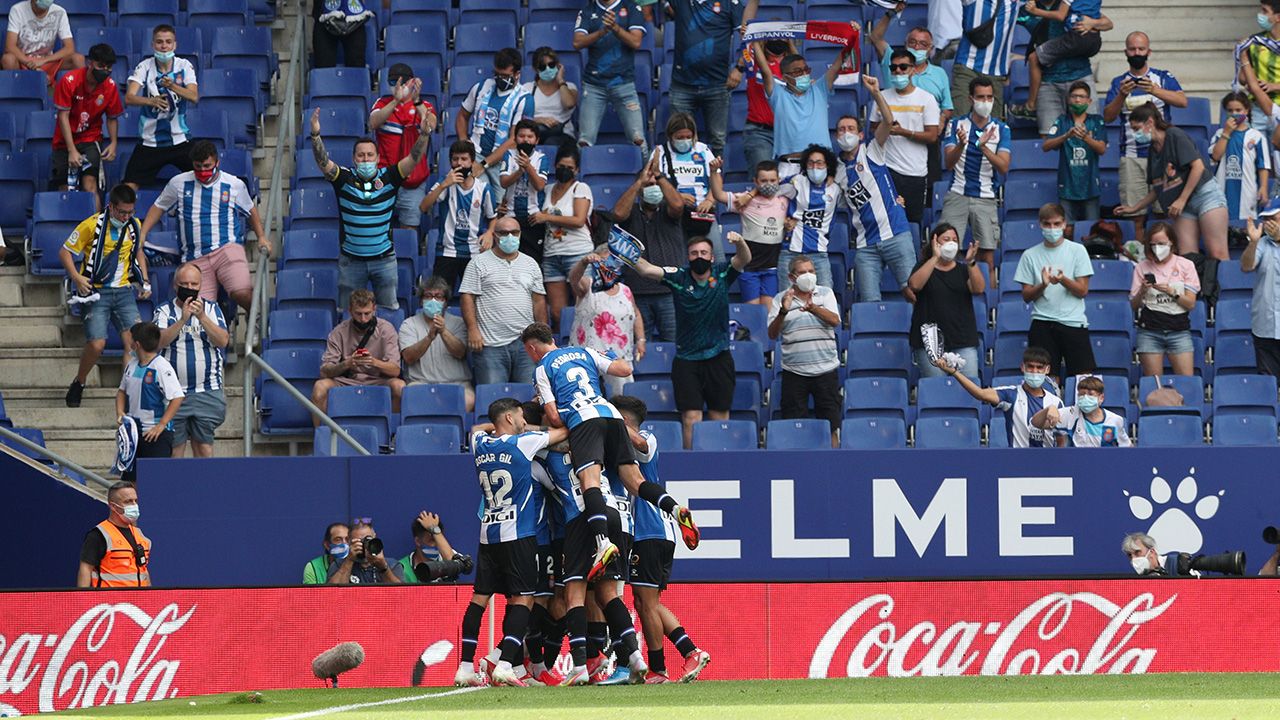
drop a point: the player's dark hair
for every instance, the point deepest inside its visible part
(122, 195)
(1052, 211)
(501, 407)
(507, 58)
(980, 81)
(1148, 111)
(1080, 85)
(539, 333)
(1238, 96)
(462, 147)
(525, 124)
(164, 27)
(103, 54)
(328, 532)
(766, 166)
(366, 140)
(533, 412)
(903, 53)
(202, 150)
(146, 334)
(630, 405)
(1037, 355)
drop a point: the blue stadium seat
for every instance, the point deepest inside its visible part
(873, 433)
(428, 440)
(747, 401)
(1113, 356)
(422, 13)
(1234, 283)
(948, 432)
(880, 319)
(295, 329)
(54, 216)
(34, 435)
(1111, 280)
(491, 11)
(10, 140)
(322, 441)
(419, 46)
(1013, 317)
(309, 249)
(1170, 431)
(1245, 394)
(1197, 113)
(555, 34)
(312, 209)
(62, 206)
(613, 162)
(17, 188)
(669, 434)
(997, 431)
(120, 40)
(725, 435)
(244, 47)
(214, 15)
(753, 317)
(1008, 354)
(1233, 315)
(1243, 430)
(1191, 388)
(1234, 355)
(877, 397)
(212, 125)
(338, 89)
(803, 434)
(4, 419)
(307, 290)
(880, 356)
(233, 91)
(487, 393)
(1023, 200)
(945, 396)
(1110, 317)
(342, 121)
(656, 363)
(279, 412)
(363, 405)
(145, 14)
(86, 13)
(475, 43)
(553, 10)
(748, 361)
(1029, 162)
(434, 405)
(22, 92)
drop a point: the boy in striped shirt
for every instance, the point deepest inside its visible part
(524, 178)
(1243, 158)
(466, 212)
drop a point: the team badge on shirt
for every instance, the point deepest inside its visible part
(226, 196)
(377, 184)
(99, 101)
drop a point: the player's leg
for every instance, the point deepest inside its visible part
(597, 638)
(695, 659)
(647, 602)
(575, 618)
(471, 618)
(619, 452)
(587, 447)
(520, 566)
(622, 629)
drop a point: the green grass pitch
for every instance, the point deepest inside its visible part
(1159, 697)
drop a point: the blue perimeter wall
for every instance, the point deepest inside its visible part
(47, 522)
(829, 514)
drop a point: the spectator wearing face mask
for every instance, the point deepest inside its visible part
(1163, 293)
(35, 26)
(465, 206)
(815, 196)
(1019, 403)
(524, 176)
(758, 135)
(193, 338)
(913, 128)
(978, 149)
(490, 112)
(652, 210)
(1055, 277)
(502, 294)
(567, 239)
(804, 318)
(164, 87)
(361, 350)
(554, 99)
(335, 545)
(607, 319)
(433, 343)
(1243, 159)
(764, 218)
(944, 288)
(1262, 256)
(83, 99)
(115, 553)
(366, 208)
(397, 122)
(1080, 137)
(1087, 423)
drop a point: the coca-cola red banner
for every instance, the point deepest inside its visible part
(61, 650)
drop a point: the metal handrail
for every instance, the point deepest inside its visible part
(286, 130)
(55, 457)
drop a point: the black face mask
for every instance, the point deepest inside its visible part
(363, 327)
(504, 82)
(1137, 62)
(100, 74)
(526, 148)
(700, 266)
(564, 174)
(777, 47)
(186, 295)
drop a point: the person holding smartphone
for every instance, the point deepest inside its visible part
(1163, 293)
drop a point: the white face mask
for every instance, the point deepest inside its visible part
(983, 108)
(948, 250)
(849, 141)
(1161, 251)
(806, 282)
(1141, 565)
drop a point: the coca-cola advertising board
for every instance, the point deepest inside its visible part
(61, 650)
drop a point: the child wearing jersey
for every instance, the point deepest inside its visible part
(150, 394)
(1019, 403)
(1086, 423)
(464, 214)
(814, 196)
(764, 216)
(1243, 158)
(695, 171)
(524, 178)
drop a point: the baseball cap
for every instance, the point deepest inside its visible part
(1272, 208)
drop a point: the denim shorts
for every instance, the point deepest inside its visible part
(758, 283)
(116, 306)
(555, 268)
(407, 202)
(1173, 342)
(1208, 197)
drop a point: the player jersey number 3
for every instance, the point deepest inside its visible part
(585, 396)
(497, 486)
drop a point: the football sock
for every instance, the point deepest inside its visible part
(514, 623)
(471, 631)
(621, 627)
(681, 640)
(597, 636)
(552, 640)
(593, 499)
(576, 622)
(657, 661)
(533, 636)
(654, 493)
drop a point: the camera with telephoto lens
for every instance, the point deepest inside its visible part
(433, 570)
(1228, 563)
(372, 546)
(1270, 535)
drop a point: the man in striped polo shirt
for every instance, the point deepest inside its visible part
(193, 338)
(984, 50)
(366, 206)
(211, 207)
(806, 317)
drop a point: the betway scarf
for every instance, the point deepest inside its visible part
(1242, 48)
(827, 31)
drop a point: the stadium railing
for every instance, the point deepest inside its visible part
(286, 130)
(62, 464)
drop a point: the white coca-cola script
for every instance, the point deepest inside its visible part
(882, 647)
(63, 685)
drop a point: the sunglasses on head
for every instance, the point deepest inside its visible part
(903, 67)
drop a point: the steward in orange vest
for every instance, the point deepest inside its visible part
(115, 552)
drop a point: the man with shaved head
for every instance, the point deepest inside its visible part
(194, 338)
(501, 294)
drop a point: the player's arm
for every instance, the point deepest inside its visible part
(557, 435)
(552, 415)
(638, 441)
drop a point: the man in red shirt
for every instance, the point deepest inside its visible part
(82, 97)
(757, 138)
(395, 121)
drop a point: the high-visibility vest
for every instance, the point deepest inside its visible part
(120, 567)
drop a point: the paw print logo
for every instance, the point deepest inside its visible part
(1174, 529)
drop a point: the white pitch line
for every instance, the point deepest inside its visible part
(360, 706)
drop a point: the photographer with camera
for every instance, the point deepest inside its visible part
(1141, 551)
(365, 564)
(1271, 536)
(1140, 548)
(429, 553)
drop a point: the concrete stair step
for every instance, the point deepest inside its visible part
(51, 368)
(96, 449)
(30, 336)
(46, 410)
(40, 316)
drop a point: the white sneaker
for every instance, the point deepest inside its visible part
(638, 667)
(504, 674)
(466, 677)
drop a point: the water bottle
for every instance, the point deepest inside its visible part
(733, 330)
(73, 177)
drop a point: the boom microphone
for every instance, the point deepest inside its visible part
(336, 660)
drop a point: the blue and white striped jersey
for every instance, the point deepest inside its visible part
(813, 208)
(522, 199)
(1018, 407)
(568, 490)
(149, 389)
(691, 171)
(571, 377)
(621, 500)
(1129, 146)
(464, 215)
(994, 58)
(1248, 153)
(168, 127)
(504, 468)
(197, 361)
(875, 215)
(974, 176)
(209, 216)
(650, 522)
(544, 494)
